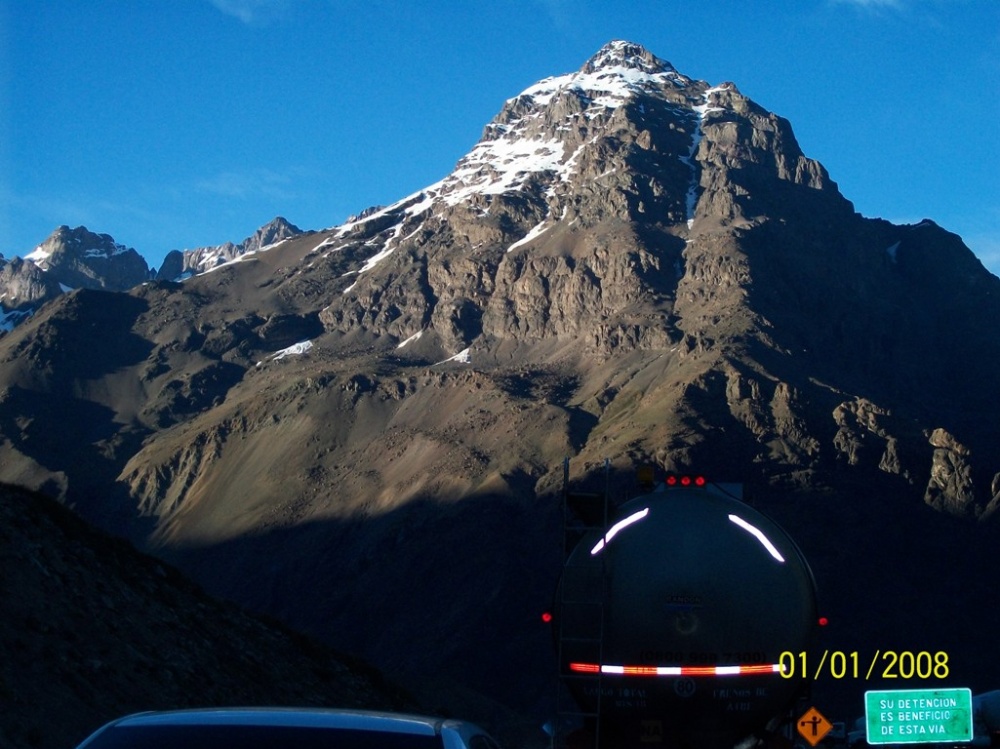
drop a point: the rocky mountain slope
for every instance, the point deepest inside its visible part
(68, 259)
(92, 630)
(366, 424)
(79, 258)
(179, 264)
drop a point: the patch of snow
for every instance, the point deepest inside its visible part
(117, 248)
(413, 233)
(271, 246)
(463, 357)
(611, 83)
(38, 256)
(225, 264)
(387, 249)
(296, 349)
(893, 250)
(415, 337)
(325, 243)
(221, 262)
(703, 109)
(535, 232)
(64, 288)
(493, 167)
(10, 320)
(691, 198)
(392, 243)
(420, 201)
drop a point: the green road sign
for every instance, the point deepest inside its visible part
(918, 716)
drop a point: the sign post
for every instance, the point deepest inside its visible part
(917, 716)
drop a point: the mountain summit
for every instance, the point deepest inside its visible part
(367, 423)
(626, 144)
(179, 264)
(79, 258)
(83, 259)
(573, 129)
(618, 54)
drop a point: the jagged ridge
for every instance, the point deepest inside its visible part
(180, 264)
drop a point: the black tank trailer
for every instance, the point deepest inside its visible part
(672, 619)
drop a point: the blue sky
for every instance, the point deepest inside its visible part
(182, 123)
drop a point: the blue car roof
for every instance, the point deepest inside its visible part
(313, 717)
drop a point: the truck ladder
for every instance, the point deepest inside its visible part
(584, 591)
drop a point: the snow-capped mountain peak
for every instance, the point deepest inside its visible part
(78, 242)
(557, 133)
(625, 136)
(616, 73)
(620, 53)
(553, 139)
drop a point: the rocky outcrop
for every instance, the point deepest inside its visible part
(79, 258)
(952, 487)
(180, 263)
(23, 285)
(871, 436)
(751, 165)
(68, 259)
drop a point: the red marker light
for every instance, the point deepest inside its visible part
(823, 621)
(674, 479)
(547, 617)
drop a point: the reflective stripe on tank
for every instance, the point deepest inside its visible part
(613, 530)
(593, 668)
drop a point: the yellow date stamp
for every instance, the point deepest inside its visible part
(884, 664)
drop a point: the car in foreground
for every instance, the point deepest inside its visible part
(275, 728)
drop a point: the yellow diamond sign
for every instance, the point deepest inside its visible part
(813, 726)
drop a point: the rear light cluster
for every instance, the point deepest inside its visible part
(745, 670)
(684, 480)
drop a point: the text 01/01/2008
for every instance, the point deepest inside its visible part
(885, 664)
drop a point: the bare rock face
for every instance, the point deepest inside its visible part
(172, 266)
(68, 259)
(25, 285)
(79, 258)
(870, 435)
(952, 487)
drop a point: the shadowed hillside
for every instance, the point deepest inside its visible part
(91, 630)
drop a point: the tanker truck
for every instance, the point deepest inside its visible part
(671, 617)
